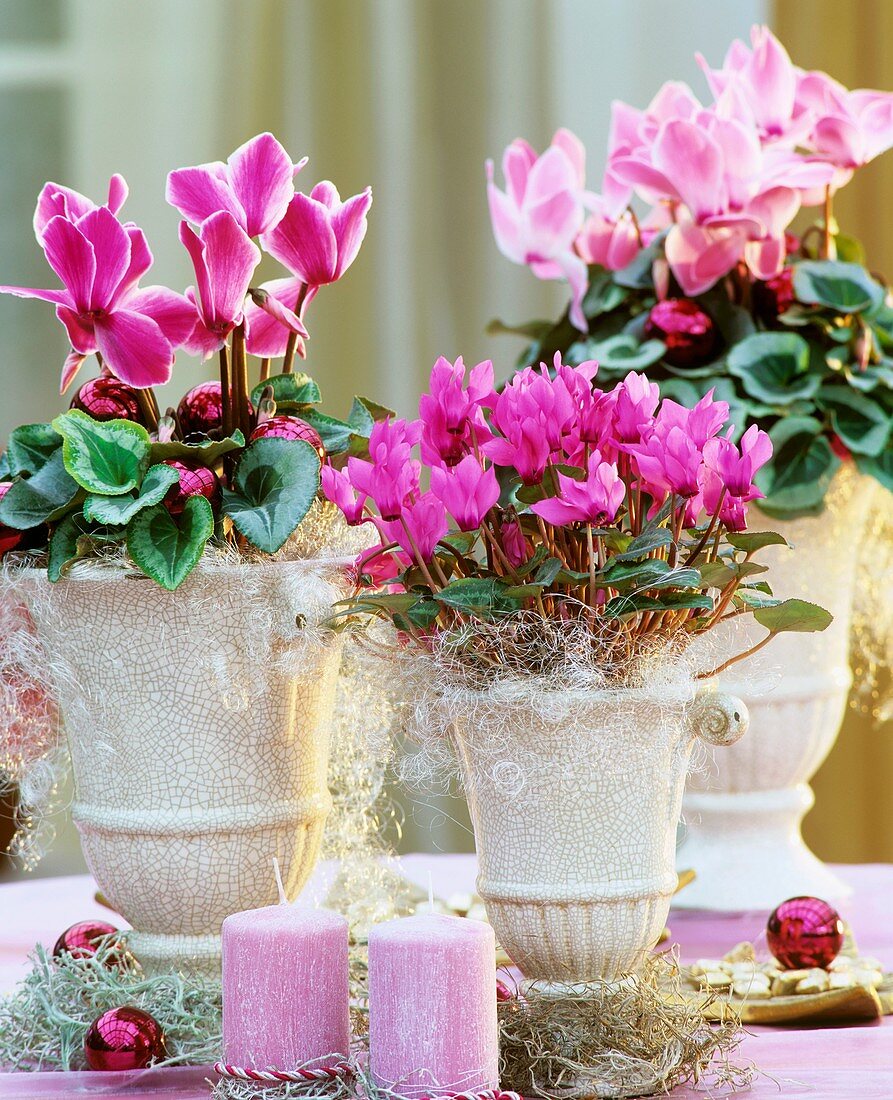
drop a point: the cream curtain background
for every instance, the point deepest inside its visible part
(410, 96)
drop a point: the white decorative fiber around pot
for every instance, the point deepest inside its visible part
(198, 724)
(575, 798)
(743, 811)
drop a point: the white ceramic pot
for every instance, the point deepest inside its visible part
(198, 724)
(743, 810)
(574, 799)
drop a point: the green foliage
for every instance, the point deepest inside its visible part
(274, 485)
(107, 457)
(167, 549)
(30, 447)
(291, 392)
(843, 287)
(797, 616)
(207, 453)
(121, 509)
(43, 498)
(798, 475)
(774, 367)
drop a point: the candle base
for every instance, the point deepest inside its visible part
(161, 954)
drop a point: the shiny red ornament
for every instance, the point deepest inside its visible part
(200, 412)
(9, 536)
(804, 932)
(503, 993)
(83, 938)
(105, 398)
(195, 480)
(124, 1038)
(688, 332)
(291, 427)
(772, 297)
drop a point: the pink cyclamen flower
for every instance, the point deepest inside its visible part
(452, 413)
(337, 488)
(537, 218)
(632, 403)
(382, 568)
(668, 461)
(55, 200)
(255, 186)
(610, 242)
(737, 468)
(421, 526)
(514, 544)
(596, 500)
(391, 477)
(224, 258)
(100, 263)
(467, 491)
(702, 422)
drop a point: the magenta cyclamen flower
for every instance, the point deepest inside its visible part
(633, 403)
(421, 526)
(466, 490)
(391, 478)
(452, 414)
(337, 488)
(737, 468)
(224, 258)
(55, 200)
(537, 218)
(595, 500)
(100, 263)
(255, 186)
(669, 461)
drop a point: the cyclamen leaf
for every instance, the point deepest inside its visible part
(208, 452)
(108, 457)
(120, 510)
(793, 615)
(289, 390)
(797, 476)
(275, 483)
(844, 287)
(167, 550)
(643, 544)
(43, 498)
(30, 448)
(336, 435)
(861, 423)
(63, 546)
(774, 367)
(750, 541)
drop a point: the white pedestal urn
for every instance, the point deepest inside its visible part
(743, 810)
(574, 798)
(198, 724)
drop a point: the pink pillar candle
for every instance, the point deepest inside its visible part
(285, 987)
(432, 1005)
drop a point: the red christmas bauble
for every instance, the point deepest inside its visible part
(804, 932)
(195, 480)
(9, 536)
(82, 939)
(291, 427)
(503, 993)
(200, 412)
(688, 332)
(773, 296)
(124, 1038)
(105, 398)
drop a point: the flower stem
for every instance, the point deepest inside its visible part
(225, 392)
(241, 411)
(289, 358)
(148, 408)
(828, 249)
(591, 549)
(264, 369)
(734, 660)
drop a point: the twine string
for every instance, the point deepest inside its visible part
(336, 1071)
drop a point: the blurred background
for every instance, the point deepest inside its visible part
(410, 96)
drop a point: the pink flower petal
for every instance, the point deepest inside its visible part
(517, 160)
(688, 156)
(230, 256)
(53, 200)
(266, 337)
(261, 175)
(73, 363)
(174, 314)
(195, 247)
(71, 256)
(349, 225)
(304, 241)
(140, 261)
(80, 335)
(202, 191)
(134, 349)
(118, 192)
(57, 297)
(111, 247)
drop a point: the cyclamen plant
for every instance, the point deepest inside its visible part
(234, 463)
(607, 507)
(706, 287)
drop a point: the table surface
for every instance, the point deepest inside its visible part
(842, 1063)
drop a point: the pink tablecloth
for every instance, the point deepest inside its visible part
(846, 1063)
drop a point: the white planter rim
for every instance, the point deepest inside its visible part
(87, 570)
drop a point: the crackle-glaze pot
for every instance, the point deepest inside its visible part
(575, 798)
(743, 810)
(198, 724)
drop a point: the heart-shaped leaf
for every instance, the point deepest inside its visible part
(774, 367)
(108, 457)
(208, 452)
(168, 549)
(847, 288)
(30, 448)
(797, 476)
(880, 468)
(751, 541)
(275, 483)
(289, 390)
(364, 414)
(861, 422)
(336, 435)
(623, 352)
(793, 615)
(120, 510)
(43, 498)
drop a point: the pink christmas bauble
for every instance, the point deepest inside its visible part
(804, 932)
(9, 536)
(200, 412)
(82, 939)
(124, 1038)
(688, 332)
(290, 427)
(105, 398)
(772, 297)
(195, 480)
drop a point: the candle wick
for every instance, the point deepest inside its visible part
(431, 891)
(283, 900)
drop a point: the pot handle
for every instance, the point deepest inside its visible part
(717, 718)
